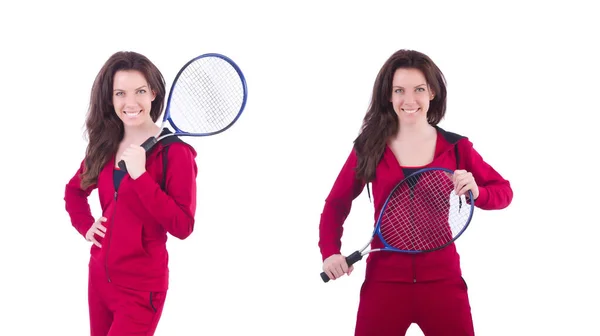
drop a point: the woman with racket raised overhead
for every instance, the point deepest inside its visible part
(414, 274)
(128, 268)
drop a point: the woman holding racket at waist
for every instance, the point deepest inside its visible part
(400, 135)
(128, 268)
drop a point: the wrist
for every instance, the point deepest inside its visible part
(136, 176)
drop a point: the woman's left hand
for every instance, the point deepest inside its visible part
(135, 159)
(463, 181)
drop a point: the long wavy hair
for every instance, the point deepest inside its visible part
(104, 129)
(381, 122)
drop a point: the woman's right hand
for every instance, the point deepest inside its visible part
(98, 229)
(335, 266)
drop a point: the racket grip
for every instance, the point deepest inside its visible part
(146, 145)
(350, 260)
(149, 143)
(122, 166)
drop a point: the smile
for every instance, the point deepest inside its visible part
(132, 113)
(411, 111)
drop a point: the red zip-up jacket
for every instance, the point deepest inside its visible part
(495, 192)
(139, 216)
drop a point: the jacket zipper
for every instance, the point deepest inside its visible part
(112, 220)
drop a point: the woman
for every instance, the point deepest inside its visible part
(400, 135)
(128, 268)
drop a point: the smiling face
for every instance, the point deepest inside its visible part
(132, 98)
(410, 96)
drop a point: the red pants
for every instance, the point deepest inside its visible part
(438, 308)
(120, 311)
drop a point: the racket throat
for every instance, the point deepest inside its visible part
(353, 258)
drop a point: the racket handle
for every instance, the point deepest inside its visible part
(147, 145)
(350, 260)
(122, 166)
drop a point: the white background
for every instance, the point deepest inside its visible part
(522, 84)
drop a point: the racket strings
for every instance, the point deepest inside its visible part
(424, 213)
(207, 96)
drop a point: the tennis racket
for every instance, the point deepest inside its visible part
(207, 97)
(421, 214)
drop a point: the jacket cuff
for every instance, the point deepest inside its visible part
(327, 252)
(144, 185)
(84, 228)
(483, 197)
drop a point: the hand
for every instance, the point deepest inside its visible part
(335, 266)
(98, 229)
(463, 181)
(135, 159)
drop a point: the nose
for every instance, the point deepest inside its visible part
(131, 100)
(409, 98)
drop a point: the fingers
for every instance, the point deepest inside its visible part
(463, 181)
(336, 266)
(463, 190)
(135, 159)
(131, 151)
(100, 226)
(99, 232)
(96, 229)
(337, 270)
(333, 272)
(461, 187)
(93, 240)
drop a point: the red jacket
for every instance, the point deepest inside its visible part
(494, 193)
(139, 216)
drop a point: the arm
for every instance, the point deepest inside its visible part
(495, 192)
(337, 208)
(176, 209)
(76, 203)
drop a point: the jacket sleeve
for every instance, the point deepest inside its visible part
(337, 207)
(495, 192)
(176, 208)
(76, 203)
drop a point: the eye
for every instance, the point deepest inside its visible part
(398, 91)
(119, 94)
(420, 90)
(142, 91)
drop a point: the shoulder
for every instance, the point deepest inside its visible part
(176, 147)
(452, 137)
(352, 157)
(179, 151)
(461, 141)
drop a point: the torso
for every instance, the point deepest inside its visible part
(414, 152)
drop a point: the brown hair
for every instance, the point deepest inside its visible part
(381, 122)
(103, 127)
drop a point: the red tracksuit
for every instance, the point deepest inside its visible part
(129, 275)
(400, 289)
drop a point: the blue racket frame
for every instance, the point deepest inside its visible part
(378, 225)
(167, 116)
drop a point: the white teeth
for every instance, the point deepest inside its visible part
(132, 113)
(410, 111)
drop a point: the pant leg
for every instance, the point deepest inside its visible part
(100, 315)
(385, 309)
(136, 312)
(443, 308)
